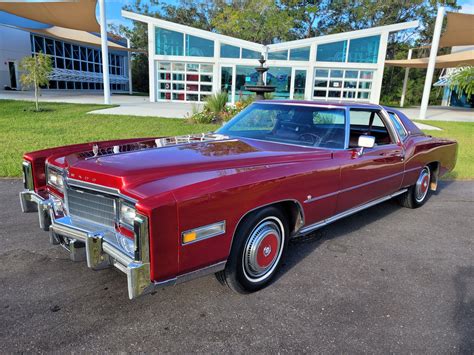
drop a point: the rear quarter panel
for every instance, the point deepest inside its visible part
(422, 150)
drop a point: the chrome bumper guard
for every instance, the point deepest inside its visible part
(91, 246)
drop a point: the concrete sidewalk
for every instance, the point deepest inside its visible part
(128, 104)
(141, 106)
(441, 113)
(158, 109)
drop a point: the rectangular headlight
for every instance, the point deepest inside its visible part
(127, 213)
(55, 178)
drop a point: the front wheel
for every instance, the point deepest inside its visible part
(417, 194)
(257, 250)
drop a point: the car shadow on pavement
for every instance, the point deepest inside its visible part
(301, 247)
(464, 312)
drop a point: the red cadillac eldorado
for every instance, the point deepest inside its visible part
(168, 209)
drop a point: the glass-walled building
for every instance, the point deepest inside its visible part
(79, 67)
(188, 64)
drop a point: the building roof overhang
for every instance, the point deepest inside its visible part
(344, 35)
(272, 47)
(70, 35)
(191, 30)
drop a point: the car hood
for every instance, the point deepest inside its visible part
(170, 157)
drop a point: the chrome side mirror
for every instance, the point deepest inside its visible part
(365, 142)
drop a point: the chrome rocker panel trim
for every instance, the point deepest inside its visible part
(91, 246)
(312, 227)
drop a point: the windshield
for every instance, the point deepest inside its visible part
(295, 124)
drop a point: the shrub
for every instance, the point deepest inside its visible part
(216, 109)
(216, 103)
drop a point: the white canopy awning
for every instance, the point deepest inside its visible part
(452, 60)
(78, 15)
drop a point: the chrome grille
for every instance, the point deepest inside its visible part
(91, 206)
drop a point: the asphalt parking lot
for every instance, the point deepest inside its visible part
(388, 279)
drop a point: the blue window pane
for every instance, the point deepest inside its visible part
(228, 51)
(321, 73)
(168, 42)
(199, 47)
(250, 54)
(364, 50)
(299, 53)
(336, 73)
(244, 75)
(280, 55)
(332, 52)
(280, 77)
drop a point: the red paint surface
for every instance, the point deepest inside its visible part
(186, 186)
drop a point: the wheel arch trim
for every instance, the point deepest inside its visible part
(296, 202)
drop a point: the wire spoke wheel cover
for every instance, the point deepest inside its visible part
(263, 249)
(422, 185)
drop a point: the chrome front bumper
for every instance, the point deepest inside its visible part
(90, 245)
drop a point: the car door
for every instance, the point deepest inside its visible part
(370, 173)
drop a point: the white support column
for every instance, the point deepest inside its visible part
(432, 62)
(377, 81)
(216, 73)
(130, 90)
(151, 62)
(105, 52)
(405, 80)
(309, 86)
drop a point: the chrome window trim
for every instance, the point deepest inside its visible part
(342, 108)
(383, 115)
(388, 122)
(401, 125)
(328, 106)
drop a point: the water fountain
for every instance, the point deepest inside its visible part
(260, 88)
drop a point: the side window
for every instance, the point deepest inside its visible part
(398, 125)
(328, 117)
(366, 122)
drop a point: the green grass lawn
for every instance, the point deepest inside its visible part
(23, 130)
(463, 132)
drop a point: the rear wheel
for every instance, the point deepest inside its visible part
(256, 254)
(417, 194)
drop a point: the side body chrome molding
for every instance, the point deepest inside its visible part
(314, 226)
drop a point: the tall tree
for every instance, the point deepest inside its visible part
(261, 21)
(304, 13)
(341, 16)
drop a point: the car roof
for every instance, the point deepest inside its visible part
(322, 103)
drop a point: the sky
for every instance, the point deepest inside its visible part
(113, 8)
